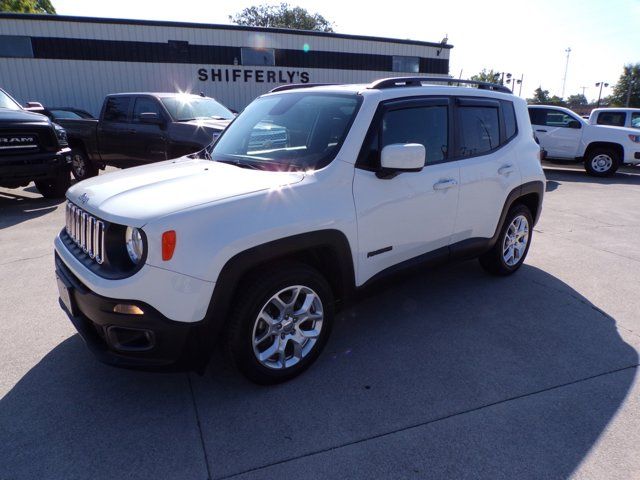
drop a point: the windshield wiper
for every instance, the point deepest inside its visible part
(251, 166)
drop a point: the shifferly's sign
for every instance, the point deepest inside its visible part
(251, 75)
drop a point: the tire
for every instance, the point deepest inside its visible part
(282, 333)
(81, 167)
(54, 187)
(502, 260)
(601, 162)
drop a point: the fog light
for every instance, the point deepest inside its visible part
(128, 309)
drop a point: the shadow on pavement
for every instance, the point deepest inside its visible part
(16, 208)
(580, 176)
(403, 365)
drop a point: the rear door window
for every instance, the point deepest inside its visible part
(479, 130)
(615, 119)
(635, 120)
(117, 109)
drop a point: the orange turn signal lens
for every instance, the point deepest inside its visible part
(168, 244)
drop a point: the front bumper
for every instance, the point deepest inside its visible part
(21, 169)
(149, 341)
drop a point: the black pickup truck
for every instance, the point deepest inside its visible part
(138, 128)
(32, 148)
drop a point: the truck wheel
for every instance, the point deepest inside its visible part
(509, 252)
(54, 187)
(601, 162)
(81, 167)
(280, 322)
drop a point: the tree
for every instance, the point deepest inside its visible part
(27, 6)
(578, 100)
(487, 76)
(628, 87)
(539, 96)
(282, 16)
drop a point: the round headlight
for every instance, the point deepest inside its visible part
(135, 245)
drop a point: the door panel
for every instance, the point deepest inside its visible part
(412, 213)
(552, 130)
(148, 142)
(115, 131)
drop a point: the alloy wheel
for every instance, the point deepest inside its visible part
(287, 327)
(515, 241)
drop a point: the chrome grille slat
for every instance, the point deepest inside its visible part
(86, 231)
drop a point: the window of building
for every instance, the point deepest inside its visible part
(117, 109)
(15, 46)
(615, 119)
(145, 105)
(479, 130)
(406, 64)
(258, 56)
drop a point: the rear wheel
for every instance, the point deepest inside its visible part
(54, 187)
(602, 162)
(280, 323)
(509, 252)
(81, 167)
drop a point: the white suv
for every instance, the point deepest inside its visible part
(564, 136)
(251, 250)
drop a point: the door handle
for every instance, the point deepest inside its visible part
(541, 130)
(445, 184)
(505, 170)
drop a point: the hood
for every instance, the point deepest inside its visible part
(137, 195)
(218, 125)
(21, 116)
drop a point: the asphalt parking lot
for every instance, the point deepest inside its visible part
(448, 373)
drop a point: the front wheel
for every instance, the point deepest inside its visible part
(81, 167)
(280, 323)
(601, 162)
(509, 252)
(54, 187)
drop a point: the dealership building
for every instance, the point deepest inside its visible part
(76, 61)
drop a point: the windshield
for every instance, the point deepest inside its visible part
(7, 102)
(185, 108)
(292, 131)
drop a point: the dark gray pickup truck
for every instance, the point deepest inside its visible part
(32, 148)
(138, 128)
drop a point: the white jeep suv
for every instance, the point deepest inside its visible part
(252, 250)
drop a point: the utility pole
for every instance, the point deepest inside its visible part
(632, 81)
(601, 84)
(583, 89)
(566, 68)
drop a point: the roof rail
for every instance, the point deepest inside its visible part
(294, 86)
(418, 81)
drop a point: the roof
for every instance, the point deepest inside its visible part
(214, 26)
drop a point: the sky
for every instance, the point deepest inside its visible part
(519, 37)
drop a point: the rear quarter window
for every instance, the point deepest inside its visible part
(509, 115)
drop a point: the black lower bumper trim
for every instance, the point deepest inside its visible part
(23, 169)
(150, 341)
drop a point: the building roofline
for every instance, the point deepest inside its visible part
(213, 26)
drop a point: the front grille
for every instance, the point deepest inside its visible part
(86, 231)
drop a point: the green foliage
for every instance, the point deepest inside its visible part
(282, 16)
(540, 96)
(27, 6)
(630, 78)
(485, 75)
(578, 100)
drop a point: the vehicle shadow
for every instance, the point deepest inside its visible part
(16, 208)
(415, 365)
(579, 176)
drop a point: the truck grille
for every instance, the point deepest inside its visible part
(86, 231)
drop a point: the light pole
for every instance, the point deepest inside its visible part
(515, 81)
(632, 81)
(601, 84)
(566, 68)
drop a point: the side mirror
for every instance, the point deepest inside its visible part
(151, 118)
(403, 157)
(574, 124)
(37, 105)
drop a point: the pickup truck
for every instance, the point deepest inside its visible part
(616, 117)
(139, 128)
(565, 136)
(32, 148)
